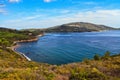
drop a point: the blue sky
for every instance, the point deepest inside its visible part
(22, 14)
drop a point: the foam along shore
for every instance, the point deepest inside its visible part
(24, 56)
(13, 48)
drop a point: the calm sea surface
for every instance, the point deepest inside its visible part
(62, 48)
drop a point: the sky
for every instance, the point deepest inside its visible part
(24, 14)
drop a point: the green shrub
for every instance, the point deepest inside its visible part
(50, 76)
(97, 76)
(79, 76)
(3, 75)
(106, 55)
(1, 50)
(96, 57)
(87, 61)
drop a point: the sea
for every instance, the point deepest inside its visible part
(70, 47)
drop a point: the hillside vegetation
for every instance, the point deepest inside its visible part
(8, 36)
(14, 66)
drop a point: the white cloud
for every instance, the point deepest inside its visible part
(109, 12)
(64, 11)
(105, 17)
(14, 1)
(47, 1)
(33, 17)
(2, 11)
(25, 18)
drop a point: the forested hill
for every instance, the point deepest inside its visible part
(11, 35)
(78, 27)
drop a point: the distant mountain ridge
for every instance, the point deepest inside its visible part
(78, 27)
(69, 27)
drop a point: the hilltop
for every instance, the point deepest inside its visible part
(78, 27)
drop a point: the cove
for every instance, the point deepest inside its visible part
(63, 48)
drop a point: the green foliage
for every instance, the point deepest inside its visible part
(50, 76)
(106, 55)
(88, 76)
(81, 75)
(96, 57)
(3, 75)
(87, 61)
(4, 43)
(1, 50)
(94, 74)
(11, 36)
(97, 76)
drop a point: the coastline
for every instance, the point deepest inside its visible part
(30, 40)
(13, 48)
(16, 45)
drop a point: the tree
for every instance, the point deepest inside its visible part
(96, 57)
(4, 43)
(106, 55)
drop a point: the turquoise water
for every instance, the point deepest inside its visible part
(63, 48)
